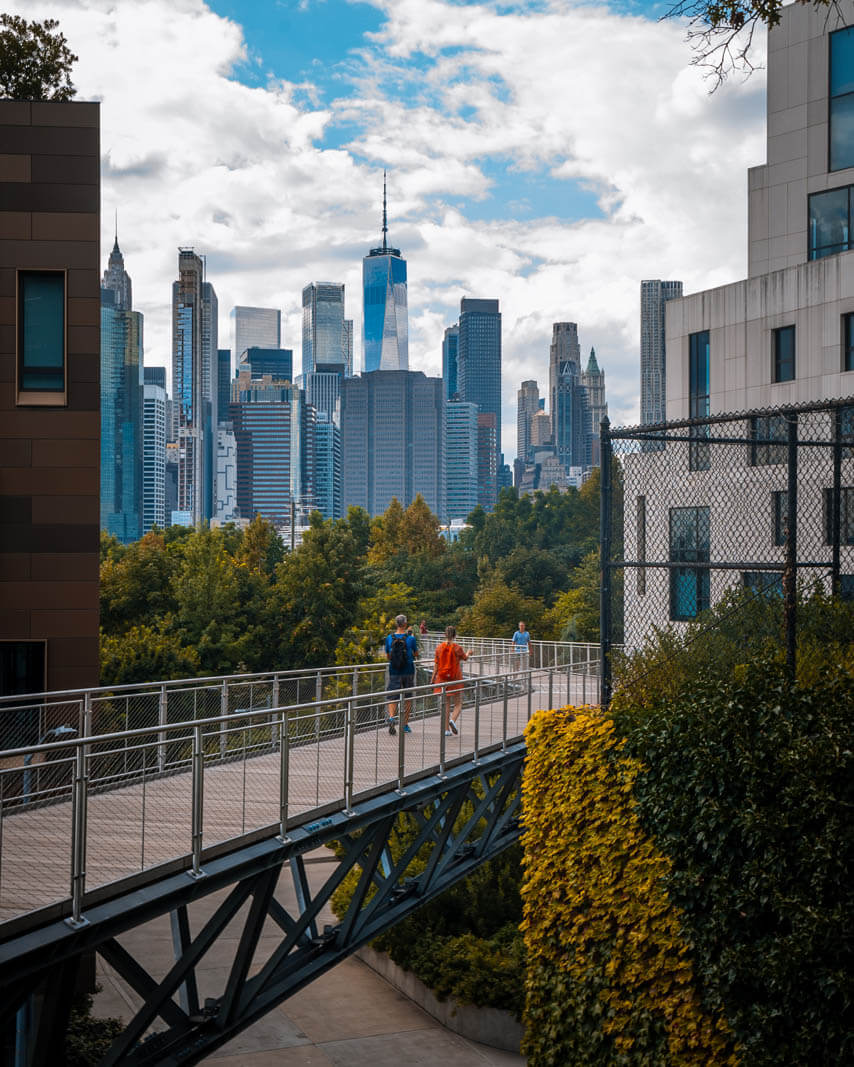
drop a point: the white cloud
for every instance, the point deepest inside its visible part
(193, 157)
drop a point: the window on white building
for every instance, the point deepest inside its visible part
(784, 354)
(841, 117)
(779, 511)
(689, 544)
(765, 431)
(846, 516)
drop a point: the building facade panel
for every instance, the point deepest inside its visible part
(49, 528)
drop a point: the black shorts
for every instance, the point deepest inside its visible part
(401, 682)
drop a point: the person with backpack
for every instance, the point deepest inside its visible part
(401, 649)
(447, 667)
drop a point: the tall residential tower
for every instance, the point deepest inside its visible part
(194, 388)
(654, 296)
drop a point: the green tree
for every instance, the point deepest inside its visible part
(35, 60)
(207, 615)
(315, 594)
(261, 549)
(136, 584)
(388, 534)
(534, 572)
(145, 653)
(362, 642)
(421, 530)
(575, 615)
(359, 522)
(497, 609)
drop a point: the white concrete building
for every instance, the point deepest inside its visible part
(782, 336)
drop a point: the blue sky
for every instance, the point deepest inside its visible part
(549, 154)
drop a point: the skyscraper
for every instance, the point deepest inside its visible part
(654, 297)
(487, 460)
(450, 346)
(527, 405)
(255, 327)
(461, 476)
(392, 440)
(479, 375)
(121, 405)
(322, 389)
(223, 383)
(267, 418)
(323, 331)
(593, 380)
(277, 362)
(194, 388)
(154, 448)
(326, 467)
(348, 347)
(385, 315)
(570, 415)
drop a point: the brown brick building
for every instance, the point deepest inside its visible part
(49, 394)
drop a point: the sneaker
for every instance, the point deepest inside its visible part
(454, 728)
(407, 729)
(448, 733)
(391, 728)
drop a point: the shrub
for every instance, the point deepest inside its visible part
(610, 979)
(748, 788)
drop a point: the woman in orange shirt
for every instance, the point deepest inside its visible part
(447, 668)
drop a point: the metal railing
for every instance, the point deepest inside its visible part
(83, 813)
(499, 653)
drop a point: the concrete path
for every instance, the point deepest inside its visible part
(348, 1017)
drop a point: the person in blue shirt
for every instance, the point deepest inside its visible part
(521, 639)
(401, 648)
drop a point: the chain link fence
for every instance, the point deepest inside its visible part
(702, 518)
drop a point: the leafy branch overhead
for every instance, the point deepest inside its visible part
(35, 60)
(721, 32)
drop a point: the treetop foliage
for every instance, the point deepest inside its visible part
(35, 60)
(219, 601)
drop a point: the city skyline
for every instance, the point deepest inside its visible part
(499, 188)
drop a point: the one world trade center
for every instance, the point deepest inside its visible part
(386, 326)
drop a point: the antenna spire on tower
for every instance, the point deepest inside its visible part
(385, 215)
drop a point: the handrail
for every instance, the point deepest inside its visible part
(172, 788)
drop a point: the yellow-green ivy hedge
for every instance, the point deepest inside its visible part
(610, 978)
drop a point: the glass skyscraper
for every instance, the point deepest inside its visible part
(654, 297)
(255, 327)
(385, 314)
(450, 345)
(571, 427)
(461, 449)
(154, 448)
(479, 382)
(323, 331)
(121, 405)
(194, 388)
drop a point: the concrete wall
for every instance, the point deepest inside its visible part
(741, 317)
(797, 146)
(49, 456)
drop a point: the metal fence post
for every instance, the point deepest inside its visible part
(836, 500)
(79, 828)
(284, 769)
(605, 562)
(274, 703)
(790, 577)
(444, 716)
(476, 719)
(504, 714)
(223, 710)
(551, 687)
(161, 736)
(530, 692)
(198, 801)
(349, 754)
(401, 753)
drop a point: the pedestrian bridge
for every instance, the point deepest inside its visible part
(120, 805)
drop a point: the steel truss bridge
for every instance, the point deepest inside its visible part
(206, 801)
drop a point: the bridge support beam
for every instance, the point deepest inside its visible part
(461, 819)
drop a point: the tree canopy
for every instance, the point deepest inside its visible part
(35, 60)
